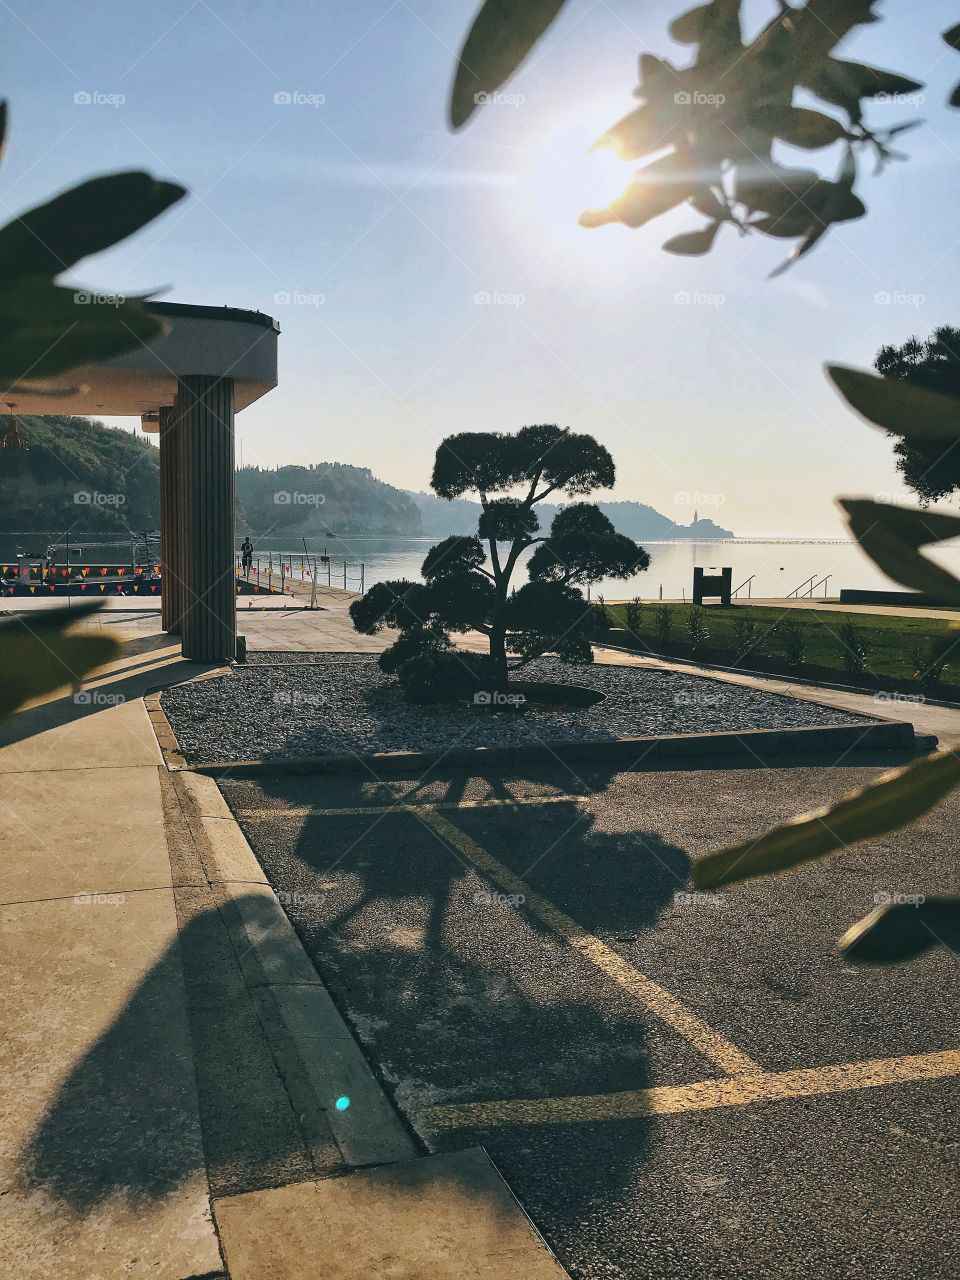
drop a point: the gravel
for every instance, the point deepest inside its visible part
(314, 704)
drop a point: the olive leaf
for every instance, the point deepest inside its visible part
(503, 33)
(901, 407)
(84, 220)
(694, 243)
(895, 799)
(801, 127)
(43, 331)
(902, 931)
(38, 656)
(892, 536)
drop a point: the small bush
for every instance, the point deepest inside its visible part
(633, 616)
(597, 622)
(663, 623)
(854, 648)
(412, 644)
(439, 677)
(697, 627)
(747, 636)
(929, 662)
(794, 641)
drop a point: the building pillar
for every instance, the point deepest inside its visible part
(204, 409)
(171, 515)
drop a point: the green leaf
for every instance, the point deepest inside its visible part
(892, 536)
(84, 220)
(503, 33)
(37, 657)
(694, 243)
(44, 330)
(809, 129)
(901, 407)
(891, 802)
(902, 931)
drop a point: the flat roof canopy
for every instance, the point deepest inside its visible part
(214, 341)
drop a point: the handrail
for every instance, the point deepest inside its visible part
(822, 583)
(795, 593)
(745, 583)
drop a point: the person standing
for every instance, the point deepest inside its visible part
(246, 556)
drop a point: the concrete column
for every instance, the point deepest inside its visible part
(209, 623)
(171, 516)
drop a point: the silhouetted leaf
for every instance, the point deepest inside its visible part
(844, 83)
(637, 133)
(84, 220)
(902, 407)
(44, 330)
(503, 33)
(892, 536)
(902, 931)
(687, 28)
(952, 37)
(801, 127)
(891, 802)
(694, 243)
(654, 190)
(37, 657)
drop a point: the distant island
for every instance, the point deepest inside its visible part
(80, 474)
(635, 519)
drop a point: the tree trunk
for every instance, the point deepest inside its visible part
(498, 656)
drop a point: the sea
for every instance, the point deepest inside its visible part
(765, 568)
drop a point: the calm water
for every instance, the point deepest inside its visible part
(777, 567)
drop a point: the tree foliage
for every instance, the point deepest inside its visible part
(549, 613)
(709, 130)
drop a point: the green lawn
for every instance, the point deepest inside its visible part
(891, 641)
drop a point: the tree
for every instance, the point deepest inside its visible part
(459, 593)
(930, 467)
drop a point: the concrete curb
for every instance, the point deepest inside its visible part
(309, 1039)
(639, 753)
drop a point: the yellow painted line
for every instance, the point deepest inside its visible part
(402, 806)
(705, 1095)
(709, 1042)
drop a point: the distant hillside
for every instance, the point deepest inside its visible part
(325, 499)
(79, 474)
(635, 519)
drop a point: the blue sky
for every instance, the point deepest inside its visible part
(368, 230)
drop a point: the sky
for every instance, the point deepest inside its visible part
(427, 282)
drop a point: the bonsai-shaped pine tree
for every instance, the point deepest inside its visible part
(468, 580)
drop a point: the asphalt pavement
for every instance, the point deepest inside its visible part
(674, 1085)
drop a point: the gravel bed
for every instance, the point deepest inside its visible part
(337, 703)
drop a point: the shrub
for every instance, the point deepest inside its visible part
(633, 616)
(412, 644)
(854, 648)
(794, 641)
(747, 636)
(697, 627)
(930, 662)
(439, 677)
(596, 625)
(663, 623)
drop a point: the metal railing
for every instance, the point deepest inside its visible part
(746, 583)
(278, 572)
(809, 586)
